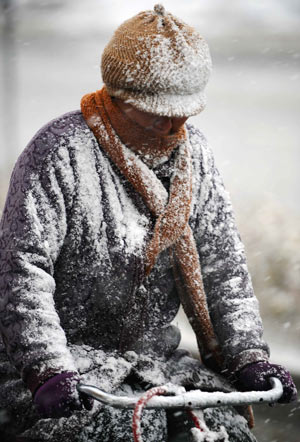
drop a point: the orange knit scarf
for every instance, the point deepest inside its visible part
(171, 230)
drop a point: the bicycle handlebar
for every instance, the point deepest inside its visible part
(194, 399)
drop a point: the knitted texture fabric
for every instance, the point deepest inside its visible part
(157, 63)
(256, 376)
(58, 396)
(171, 230)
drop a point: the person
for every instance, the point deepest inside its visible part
(116, 215)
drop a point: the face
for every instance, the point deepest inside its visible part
(159, 125)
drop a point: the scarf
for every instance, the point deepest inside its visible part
(171, 211)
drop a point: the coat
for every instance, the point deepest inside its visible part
(72, 242)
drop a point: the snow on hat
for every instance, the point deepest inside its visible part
(157, 63)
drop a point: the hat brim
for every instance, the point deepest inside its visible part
(169, 105)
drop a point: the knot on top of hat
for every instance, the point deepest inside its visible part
(159, 9)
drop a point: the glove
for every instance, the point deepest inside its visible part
(58, 396)
(255, 376)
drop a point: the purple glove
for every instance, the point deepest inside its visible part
(255, 377)
(58, 396)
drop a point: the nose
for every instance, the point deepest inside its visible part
(163, 125)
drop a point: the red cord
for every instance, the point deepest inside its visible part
(195, 419)
(136, 420)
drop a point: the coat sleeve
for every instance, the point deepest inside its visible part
(32, 232)
(231, 301)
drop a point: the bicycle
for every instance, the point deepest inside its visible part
(177, 398)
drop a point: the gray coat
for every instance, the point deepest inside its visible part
(72, 242)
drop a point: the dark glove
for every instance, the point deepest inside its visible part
(256, 376)
(58, 396)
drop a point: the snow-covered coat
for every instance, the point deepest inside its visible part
(72, 240)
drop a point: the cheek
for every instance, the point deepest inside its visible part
(141, 119)
(148, 121)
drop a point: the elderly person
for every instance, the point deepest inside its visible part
(116, 215)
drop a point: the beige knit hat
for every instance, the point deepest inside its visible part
(157, 63)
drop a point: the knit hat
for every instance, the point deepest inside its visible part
(157, 63)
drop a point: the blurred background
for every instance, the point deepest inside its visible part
(49, 57)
